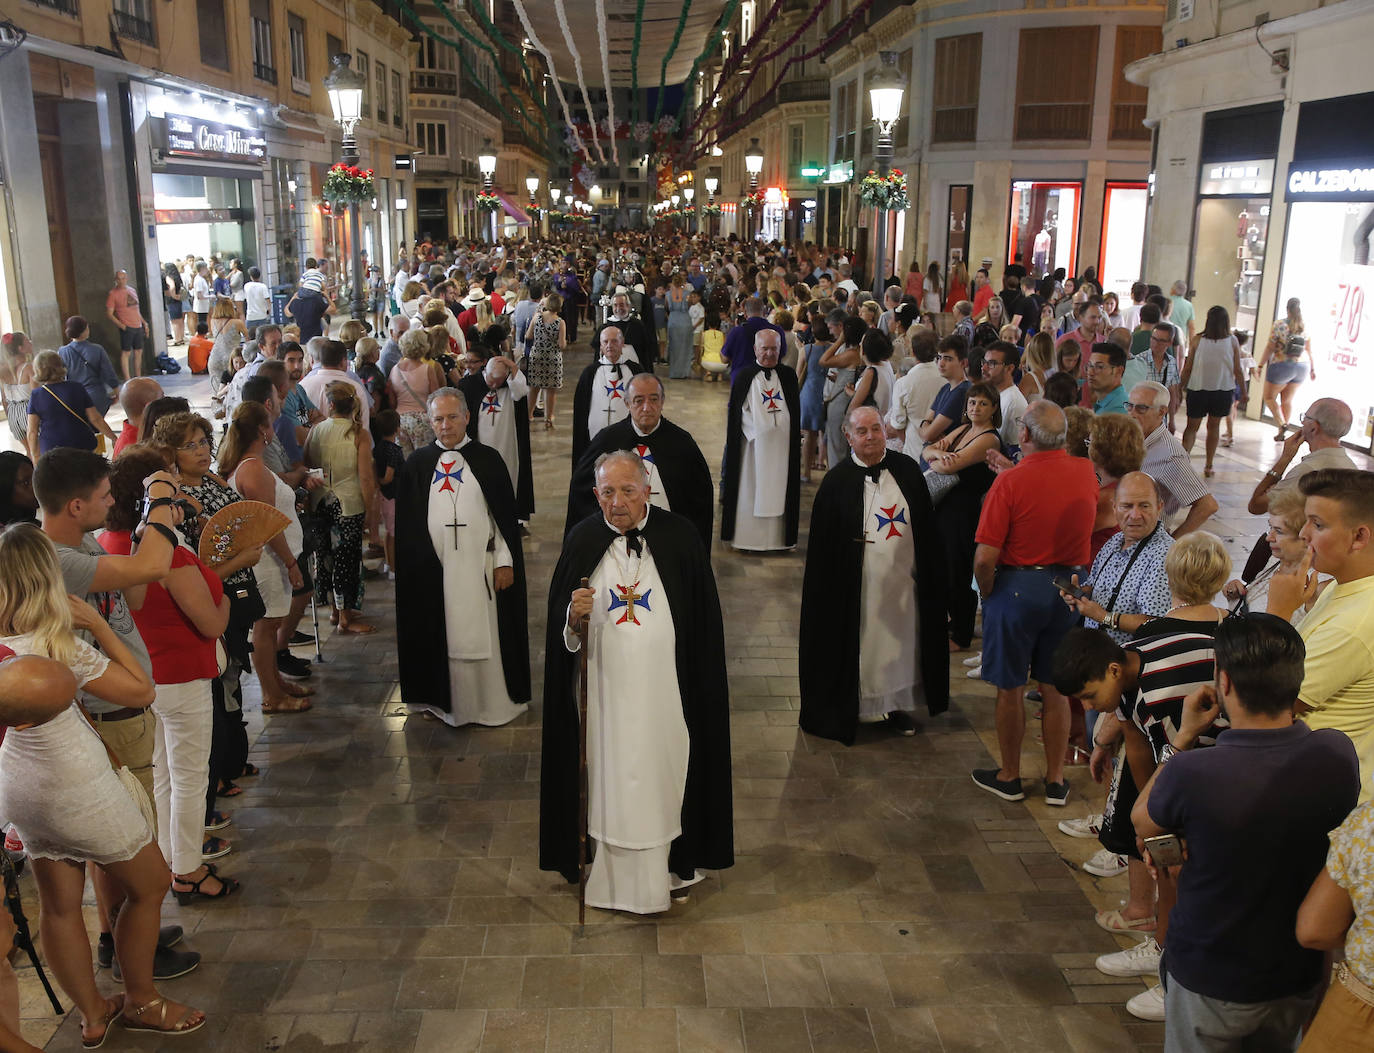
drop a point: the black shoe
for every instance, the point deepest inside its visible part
(167, 964)
(1008, 790)
(538, 412)
(167, 936)
(289, 665)
(1057, 793)
(901, 723)
(300, 638)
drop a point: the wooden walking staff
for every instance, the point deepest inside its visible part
(582, 633)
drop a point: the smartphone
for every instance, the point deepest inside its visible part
(1166, 850)
(1065, 585)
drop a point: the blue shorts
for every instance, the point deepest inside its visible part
(1286, 371)
(1023, 622)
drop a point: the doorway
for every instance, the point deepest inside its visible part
(55, 204)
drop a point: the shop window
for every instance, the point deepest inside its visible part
(363, 64)
(397, 105)
(264, 61)
(1228, 263)
(954, 98)
(1128, 100)
(1044, 226)
(300, 72)
(956, 238)
(1123, 237)
(214, 39)
(134, 20)
(1056, 75)
(381, 92)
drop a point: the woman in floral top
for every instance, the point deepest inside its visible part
(1339, 910)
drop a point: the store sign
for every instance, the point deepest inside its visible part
(1308, 183)
(841, 173)
(1250, 178)
(194, 137)
(198, 215)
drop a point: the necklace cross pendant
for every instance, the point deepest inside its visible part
(454, 527)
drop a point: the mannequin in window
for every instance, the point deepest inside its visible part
(1040, 251)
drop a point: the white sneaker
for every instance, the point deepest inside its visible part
(1148, 1005)
(1140, 960)
(1086, 827)
(976, 673)
(1106, 863)
(976, 660)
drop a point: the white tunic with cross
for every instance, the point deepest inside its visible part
(637, 744)
(658, 497)
(608, 405)
(470, 547)
(889, 622)
(760, 507)
(496, 422)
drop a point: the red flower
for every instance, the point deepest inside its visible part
(896, 171)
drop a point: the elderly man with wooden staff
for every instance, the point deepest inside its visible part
(658, 733)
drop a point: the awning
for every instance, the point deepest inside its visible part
(521, 217)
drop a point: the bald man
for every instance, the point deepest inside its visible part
(134, 397)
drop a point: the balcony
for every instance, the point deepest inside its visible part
(804, 91)
(432, 83)
(1039, 122)
(130, 26)
(62, 7)
(267, 74)
(474, 93)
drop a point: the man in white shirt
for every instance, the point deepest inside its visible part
(257, 299)
(999, 369)
(332, 356)
(892, 297)
(846, 282)
(914, 392)
(1167, 462)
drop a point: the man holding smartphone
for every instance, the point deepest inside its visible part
(1234, 973)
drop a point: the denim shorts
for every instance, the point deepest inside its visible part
(1286, 371)
(1023, 621)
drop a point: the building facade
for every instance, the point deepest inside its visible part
(1264, 178)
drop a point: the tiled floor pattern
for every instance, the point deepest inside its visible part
(392, 900)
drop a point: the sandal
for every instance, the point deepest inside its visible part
(214, 848)
(185, 897)
(357, 628)
(217, 821)
(297, 690)
(1115, 921)
(249, 770)
(286, 705)
(95, 1043)
(228, 789)
(1228, 440)
(180, 1027)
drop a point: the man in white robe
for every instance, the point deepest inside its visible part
(455, 529)
(599, 400)
(761, 486)
(658, 712)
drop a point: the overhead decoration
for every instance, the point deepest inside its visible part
(488, 201)
(606, 75)
(713, 40)
(634, 62)
(581, 78)
(539, 46)
(667, 55)
(500, 40)
(346, 184)
(745, 50)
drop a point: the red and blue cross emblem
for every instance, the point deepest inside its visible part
(629, 598)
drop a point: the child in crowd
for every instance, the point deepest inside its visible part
(198, 349)
(387, 459)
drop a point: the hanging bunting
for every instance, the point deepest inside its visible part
(712, 43)
(663, 71)
(499, 39)
(577, 67)
(524, 17)
(606, 76)
(634, 63)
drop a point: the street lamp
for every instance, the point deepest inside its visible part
(886, 89)
(401, 205)
(486, 164)
(345, 88)
(753, 164)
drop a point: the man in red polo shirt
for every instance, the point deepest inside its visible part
(1036, 523)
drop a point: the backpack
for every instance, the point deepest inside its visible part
(167, 364)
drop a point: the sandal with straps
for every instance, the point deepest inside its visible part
(185, 897)
(109, 1019)
(180, 1027)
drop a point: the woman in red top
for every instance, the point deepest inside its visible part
(180, 620)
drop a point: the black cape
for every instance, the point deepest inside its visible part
(828, 653)
(734, 450)
(474, 389)
(420, 631)
(681, 467)
(582, 401)
(707, 838)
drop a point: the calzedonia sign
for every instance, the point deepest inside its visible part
(195, 137)
(1307, 182)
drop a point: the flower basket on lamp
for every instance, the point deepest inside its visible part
(752, 202)
(487, 201)
(348, 184)
(887, 192)
(710, 210)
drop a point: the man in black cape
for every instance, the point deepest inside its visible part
(843, 533)
(745, 393)
(638, 331)
(682, 576)
(501, 376)
(668, 451)
(421, 615)
(601, 391)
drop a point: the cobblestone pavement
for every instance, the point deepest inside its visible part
(392, 899)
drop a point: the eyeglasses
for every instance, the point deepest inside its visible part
(1097, 367)
(192, 447)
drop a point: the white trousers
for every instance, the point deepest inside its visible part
(181, 770)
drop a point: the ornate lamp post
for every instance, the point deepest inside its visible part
(532, 185)
(753, 164)
(886, 90)
(712, 183)
(401, 205)
(345, 88)
(688, 193)
(486, 164)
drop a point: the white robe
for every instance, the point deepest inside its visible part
(496, 423)
(637, 743)
(608, 405)
(889, 622)
(477, 678)
(658, 497)
(760, 523)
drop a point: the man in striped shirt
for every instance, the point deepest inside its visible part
(1167, 462)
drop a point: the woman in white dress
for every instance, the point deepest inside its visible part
(66, 802)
